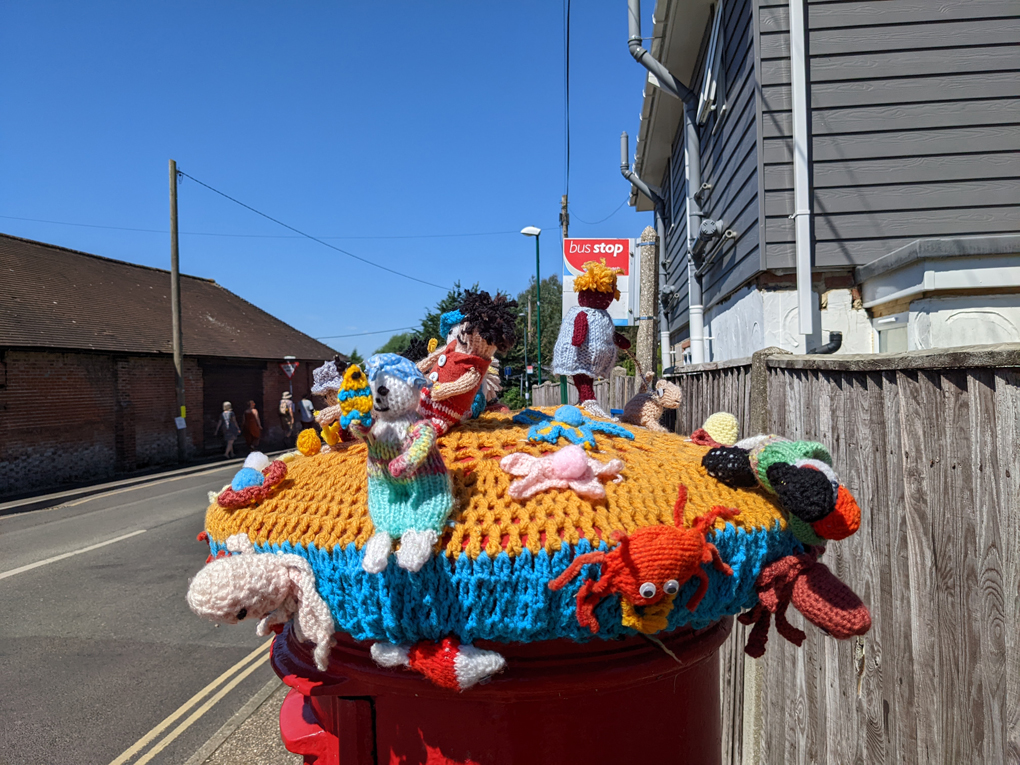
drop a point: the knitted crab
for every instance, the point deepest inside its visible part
(801, 581)
(649, 564)
(570, 423)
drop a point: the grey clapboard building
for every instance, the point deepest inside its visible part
(903, 209)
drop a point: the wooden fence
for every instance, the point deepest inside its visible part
(928, 443)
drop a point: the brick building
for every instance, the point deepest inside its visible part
(86, 365)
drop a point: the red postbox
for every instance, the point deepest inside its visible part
(558, 702)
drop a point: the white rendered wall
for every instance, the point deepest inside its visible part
(949, 322)
(754, 319)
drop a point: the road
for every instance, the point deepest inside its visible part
(100, 658)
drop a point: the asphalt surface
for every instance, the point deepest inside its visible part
(98, 649)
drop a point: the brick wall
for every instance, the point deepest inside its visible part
(75, 417)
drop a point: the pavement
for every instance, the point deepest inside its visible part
(101, 659)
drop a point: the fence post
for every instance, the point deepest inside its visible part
(758, 416)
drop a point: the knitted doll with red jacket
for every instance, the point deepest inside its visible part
(587, 343)
(458, 372)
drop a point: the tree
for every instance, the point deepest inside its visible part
(430, 324)
(356, 358)
(397, 344)
(552, 311)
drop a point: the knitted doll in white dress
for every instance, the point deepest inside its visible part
(587, 343)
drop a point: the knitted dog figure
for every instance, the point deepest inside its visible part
(409, 492)
(646, 407)
(459, 370)
(587, 343)
(270, 587)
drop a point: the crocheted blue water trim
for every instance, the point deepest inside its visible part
(508, 600)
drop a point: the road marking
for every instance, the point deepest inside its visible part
(208, 749)
(171, 719)
(163, 744)
(55, 558)
(147, 484)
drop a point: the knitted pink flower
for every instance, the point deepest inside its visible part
(567, 468)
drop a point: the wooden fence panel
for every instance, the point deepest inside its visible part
(929, 444)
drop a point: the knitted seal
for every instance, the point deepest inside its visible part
(494, 560)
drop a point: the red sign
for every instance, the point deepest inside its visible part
(616, 252)
(289, 367)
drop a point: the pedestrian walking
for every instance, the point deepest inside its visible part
(306, 411)
(252, 427)
(287, 417)
(228, 423)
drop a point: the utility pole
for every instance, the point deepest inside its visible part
(175, 307)
(565, 223)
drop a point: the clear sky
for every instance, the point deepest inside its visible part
(369, 123)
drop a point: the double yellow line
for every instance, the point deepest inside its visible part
(235, 675)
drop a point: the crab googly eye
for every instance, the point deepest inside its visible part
(660, 392)
(647, 590)
(672, 587)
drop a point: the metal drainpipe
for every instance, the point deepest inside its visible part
(692, 151)
(801, 171)
(692, 167)
(666, 81)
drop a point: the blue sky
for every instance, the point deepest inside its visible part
(344, 120)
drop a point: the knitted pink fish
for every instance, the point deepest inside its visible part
(567, 468)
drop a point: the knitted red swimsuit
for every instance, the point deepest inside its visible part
(451, 366)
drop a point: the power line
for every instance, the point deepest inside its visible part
(566, 88)
(309, 236)
(361, 334)
(603, 220)
(257, 236)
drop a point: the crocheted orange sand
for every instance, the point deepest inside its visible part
(323, 501)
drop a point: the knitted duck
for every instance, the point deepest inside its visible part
(409, 492)
(587, 343)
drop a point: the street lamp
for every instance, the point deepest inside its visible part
(533, 231)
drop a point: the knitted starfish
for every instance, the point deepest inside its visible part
(570, 423)
(568, 468)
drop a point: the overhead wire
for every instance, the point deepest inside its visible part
(256, 236)
(362, 334)
(309, 236)
(601, 220)
(566, 92)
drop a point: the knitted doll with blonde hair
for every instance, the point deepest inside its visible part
(587, 343)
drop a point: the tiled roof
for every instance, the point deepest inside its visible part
(52, 297)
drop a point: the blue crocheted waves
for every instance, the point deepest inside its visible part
(507, 599)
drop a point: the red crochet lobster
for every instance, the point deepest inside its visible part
(813, 590)
(649, 563)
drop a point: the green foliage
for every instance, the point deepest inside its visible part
(396, 344)
(512, 396)
(430, 324)
(552, 310)
(356, 358)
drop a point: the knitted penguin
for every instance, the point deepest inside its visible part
(409, 492)
(587, 343)
(459, 371)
